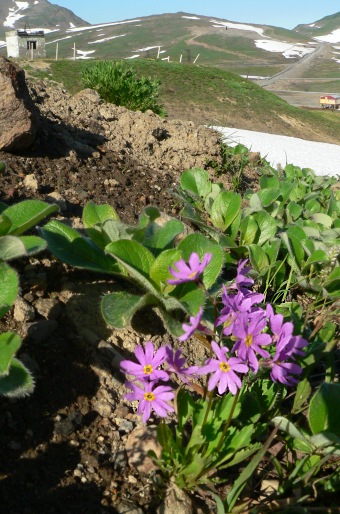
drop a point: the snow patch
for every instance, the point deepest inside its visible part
(22, 5)
(72, 25)
(104, 39)
(288, 50)
(91, 27)
(322, 158)
(56, 40)
(2, 44)
(238, 26)
(84, 54)
(146, 48)
(133, 56)
(191, 17)
(333, 37)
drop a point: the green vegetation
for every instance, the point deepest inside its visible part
(213, 90)
(118, 84)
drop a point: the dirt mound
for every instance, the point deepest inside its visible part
(64, 447)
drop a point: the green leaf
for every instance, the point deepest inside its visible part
(294, 248)
(317, 256)
(9, 287)
(27, 214)
(289, 428)
(324, 412)
(191, 297)
(5, 224)
(18, 382)
(161, 237)
(295, 210)
(197, 181)
(11, 248)
(249, 230)
(9, 344)
(267, 226)
(322, 219)
(159, 270)
(268, 195)
(97, 214)
(33, 244)
(302, 394)
(118, 308)
(258, 258)
(201, 245)
(69, 246)
(132, 255)
(225, 209)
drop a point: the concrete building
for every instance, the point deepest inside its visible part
(26, 44)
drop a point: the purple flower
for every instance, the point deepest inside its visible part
(151, 399)
(191, 272)
(147, 369)
(281, 372)
(241, 281)
(193, 325)
(250, 338)
(234, 304)
(176, 364)
(223, 370)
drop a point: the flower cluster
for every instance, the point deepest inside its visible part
(147, 373)
(246, 337)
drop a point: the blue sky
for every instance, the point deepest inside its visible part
(282, 13)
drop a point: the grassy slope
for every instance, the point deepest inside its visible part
(214, 96)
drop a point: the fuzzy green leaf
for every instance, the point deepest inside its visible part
(225, 209)
(69, 246)
(159, 270)
(267, 227)
(197, 181)
(11, 248)
(324, 412)
(9, 344)
(97, 214)
(9, 287)
(18, 382)
(118, 308)
(27, 214)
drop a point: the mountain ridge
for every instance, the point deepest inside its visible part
(245, 49)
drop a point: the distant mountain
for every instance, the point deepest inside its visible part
(36, 14)
(253, 50)
(327, 29)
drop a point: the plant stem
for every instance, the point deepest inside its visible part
(227, 425)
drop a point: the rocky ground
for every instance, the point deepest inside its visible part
(74, 445)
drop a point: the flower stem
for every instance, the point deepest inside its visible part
(227, 425)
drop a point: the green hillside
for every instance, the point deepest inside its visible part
(213, 96)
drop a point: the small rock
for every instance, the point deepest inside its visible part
(23, 311)
(56, 198)
(50, 308)
(140, 441)
(103, 408)
(40, 331)
(125, 426)
(176, 501)
(120, 460)
(30, 182)
(127, 507)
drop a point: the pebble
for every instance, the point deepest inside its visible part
(30, 182)
(127, 507)
(139, 442)
(40, 331)
(49, 308)
(23, 311)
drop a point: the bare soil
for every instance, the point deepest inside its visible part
(64, 448)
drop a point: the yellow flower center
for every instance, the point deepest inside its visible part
(149, 397)
(192, 275)
(148, 369)
(224, 366)
(248, 340)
